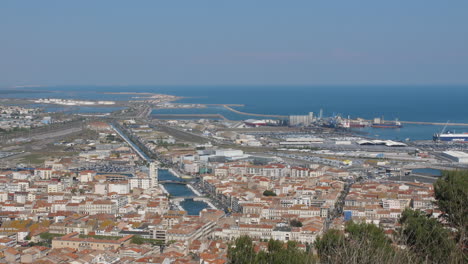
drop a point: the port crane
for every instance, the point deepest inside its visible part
(437, 136)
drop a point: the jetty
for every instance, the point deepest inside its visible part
(433, 123)
(250, 114)
(189, 116)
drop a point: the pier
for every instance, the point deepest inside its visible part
(426, 123)
(189, 116)
(228, 107)
(239, 105)
(433, 123)
(250, 114)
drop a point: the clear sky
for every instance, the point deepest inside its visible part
(198, 42)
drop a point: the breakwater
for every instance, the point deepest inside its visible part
(403, 122)
(250, 114)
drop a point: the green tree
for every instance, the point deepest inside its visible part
(370, 235)
(331, 242)
(242, 252)
(361, 243)
(295, 223)
(137, 240)
(269, 193)
(451, 192)
(428, 239)
(277, 253)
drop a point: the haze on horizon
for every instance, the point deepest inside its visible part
(233, 42)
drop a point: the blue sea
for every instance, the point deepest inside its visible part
(407, 103)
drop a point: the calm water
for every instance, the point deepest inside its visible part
(428, 171)
(408, 103)
(192, 207)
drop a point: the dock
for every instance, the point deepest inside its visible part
(433, 123)
(229, 107)
(189, 116)
(250, 114)
(239, 105)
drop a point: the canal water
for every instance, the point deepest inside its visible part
(176, 190)
(428, 171)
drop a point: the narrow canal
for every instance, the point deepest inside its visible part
(428, 171)
(176, 190)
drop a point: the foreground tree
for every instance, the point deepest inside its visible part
(242, 251)
(451, 192)
(428, 239)
(277, 253)
(362, 243)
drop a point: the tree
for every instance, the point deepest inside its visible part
(451, 192)
(137, 240)
(363, 243)
(428, 239)
(368, 234)
(49, 236)
(277, 253)
(295, 223)
(269, 193)
(242, 252)
(332, 241)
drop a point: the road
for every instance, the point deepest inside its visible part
(145, 112)
(189, 116)
(58, 133)
(183, 135)
(131, 144)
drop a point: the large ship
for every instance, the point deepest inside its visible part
(381, 123)
(358, 123)
(347, 123)
(451, 137)
(352, 123)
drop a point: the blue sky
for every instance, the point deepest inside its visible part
(233, 42)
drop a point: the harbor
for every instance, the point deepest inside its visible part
(364, 120)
